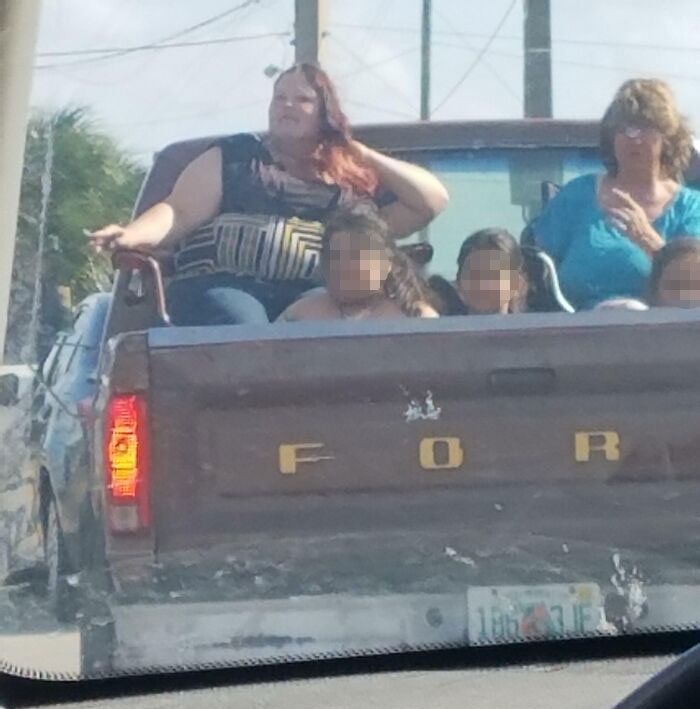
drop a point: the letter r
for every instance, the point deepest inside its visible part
(587, 442)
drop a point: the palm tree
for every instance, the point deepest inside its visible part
(90, 181)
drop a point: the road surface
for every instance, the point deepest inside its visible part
(582, 685)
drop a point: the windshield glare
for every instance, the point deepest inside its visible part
(340, 329)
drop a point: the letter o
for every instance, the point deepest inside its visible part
(426, 453)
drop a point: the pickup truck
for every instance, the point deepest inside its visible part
(254, 494)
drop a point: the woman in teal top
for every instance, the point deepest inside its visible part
(603, 230)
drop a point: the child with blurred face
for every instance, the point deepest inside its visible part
(366, 275)
(357, 268)
(675, 274)
(490, 273)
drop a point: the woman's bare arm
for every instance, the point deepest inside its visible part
(420, 195)
(195, 200)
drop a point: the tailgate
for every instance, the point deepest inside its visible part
(302, 430)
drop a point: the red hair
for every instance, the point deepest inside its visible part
(335, 156)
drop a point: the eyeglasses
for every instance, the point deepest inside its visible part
(637, 132)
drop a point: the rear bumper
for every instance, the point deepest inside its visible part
(272, 597)
(191, 635)
(289, 630)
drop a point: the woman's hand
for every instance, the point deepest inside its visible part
(420, 195)
(631, 219)
(108, 238)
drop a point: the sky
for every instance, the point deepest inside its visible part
(217, 83)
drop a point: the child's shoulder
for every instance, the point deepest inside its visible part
(311, 307)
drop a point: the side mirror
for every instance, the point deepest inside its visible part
(9, 389)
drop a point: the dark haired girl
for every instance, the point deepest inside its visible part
(490, 276)
(366, 275)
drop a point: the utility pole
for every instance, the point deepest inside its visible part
(19, 22)
(310, 18)
(538, 59)
(425, 60)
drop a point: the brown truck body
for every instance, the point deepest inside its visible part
(362, 479)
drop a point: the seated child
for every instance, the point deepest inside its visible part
(490, 276)
(675, 274)
(366, 275)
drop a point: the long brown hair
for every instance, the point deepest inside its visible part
(335, 156)
(404, 285)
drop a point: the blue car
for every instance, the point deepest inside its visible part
(60, 435)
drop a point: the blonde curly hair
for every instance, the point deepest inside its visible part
(648, 103)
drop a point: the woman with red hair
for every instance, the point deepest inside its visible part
(245, 219)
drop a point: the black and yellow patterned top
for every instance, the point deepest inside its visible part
(271, 224)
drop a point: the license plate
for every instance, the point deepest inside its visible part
(499, 614)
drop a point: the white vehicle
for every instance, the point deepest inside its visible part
(18, 499)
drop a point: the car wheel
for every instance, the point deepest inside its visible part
(61, 595)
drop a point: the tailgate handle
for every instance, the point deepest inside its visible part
(522, 380)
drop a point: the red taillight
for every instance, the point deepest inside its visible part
(126, 448)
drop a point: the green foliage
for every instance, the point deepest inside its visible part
(93, 183)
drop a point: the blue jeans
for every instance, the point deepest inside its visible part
(228, 299)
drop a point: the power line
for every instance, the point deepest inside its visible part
(176, 35)
(479, 56)
(401, 30)
(201, 55)
(571, 62)
(209, 113)
(171, 45)
(367, 65)
(630, 71)
(144, 47)
(388, 111)
(210, 20)
(519, 38)
(373, 65)
(505, 84)
(370, 38)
